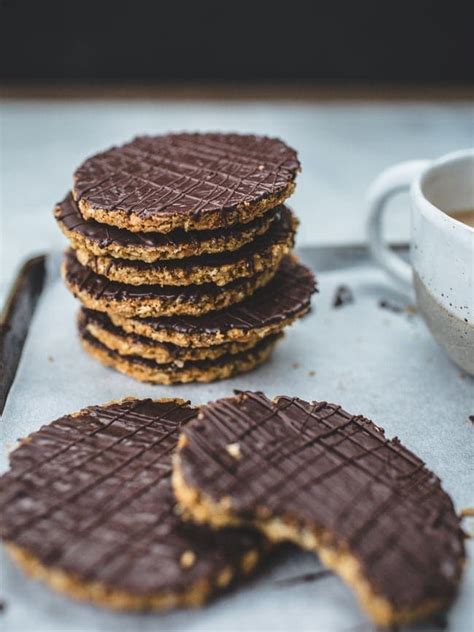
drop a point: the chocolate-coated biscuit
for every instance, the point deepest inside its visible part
(103, 239)
(99, 325)
(264, 253)
(87, 507)
(275, 306)
(333, 483)
(146, 370)
(97, 292)
(189, 181)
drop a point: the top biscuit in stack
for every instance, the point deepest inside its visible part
(187, 181)
(175, 226)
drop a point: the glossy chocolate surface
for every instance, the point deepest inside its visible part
(319, 467)
(186, 174)
(91, 495)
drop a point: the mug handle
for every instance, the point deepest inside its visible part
(390, 182)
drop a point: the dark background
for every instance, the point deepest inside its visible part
(338, 41)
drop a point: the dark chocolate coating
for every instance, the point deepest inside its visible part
(315, 464)
(186, 174)
(90, 316)
(101, 319)
(287, 295)
(99, 287)
(171, 366)
(279, 232)
(104, 234)
(91, 495)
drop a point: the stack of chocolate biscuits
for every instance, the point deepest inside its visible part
(181, 254)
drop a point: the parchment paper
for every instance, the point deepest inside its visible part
(373, 361)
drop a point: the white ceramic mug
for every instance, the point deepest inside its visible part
(441, 247)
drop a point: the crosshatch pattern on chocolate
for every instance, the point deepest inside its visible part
(91, 495)
(280, 232)
(104, 235)
(250, 355)
(286, 296)
(101, 327)
(186, 173)
(318, 466)
(97, 286)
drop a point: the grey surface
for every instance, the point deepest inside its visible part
(342, 146)
(382, 364)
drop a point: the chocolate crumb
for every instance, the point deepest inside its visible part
(343, 296)
(303, 579)
(3, 606)
(392, 307)
(311, 372)
(471, 419)
(295, 365)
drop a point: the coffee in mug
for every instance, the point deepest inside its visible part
(441, 245)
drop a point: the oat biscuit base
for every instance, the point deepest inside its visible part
(106, 240)
(146, 370)
(87, 507)
(263, 254)
(99, 293)
(185, 181)
(331, 482)
(100, 327)
(286, 298)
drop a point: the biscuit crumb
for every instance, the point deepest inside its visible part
(467, 512)
(296, 365)
(50, 359)
(182, 441)
(234, 450)
(311, 373)
(225, 577)
(187, 559)
(249, 561)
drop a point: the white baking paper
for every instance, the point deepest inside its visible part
(370, 360)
